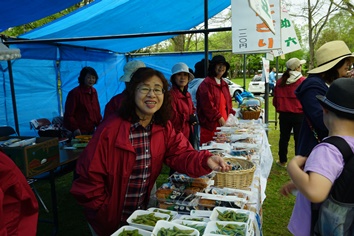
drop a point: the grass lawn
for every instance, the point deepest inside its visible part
(276, 208)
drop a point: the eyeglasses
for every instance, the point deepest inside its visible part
(146, 90)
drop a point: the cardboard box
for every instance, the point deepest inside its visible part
(36, 158)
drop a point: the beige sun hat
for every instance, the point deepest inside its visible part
(129, 69)
(294, 63)
(329, 54)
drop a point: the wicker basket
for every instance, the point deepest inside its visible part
(250, 115)
(240, 179)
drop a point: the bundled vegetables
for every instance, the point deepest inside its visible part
(230, 229)
(148, 219)
(175, 231)
(232, 216)
(134, 232)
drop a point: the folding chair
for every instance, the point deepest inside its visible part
(7, 131)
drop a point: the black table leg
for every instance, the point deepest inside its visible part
(54, 203)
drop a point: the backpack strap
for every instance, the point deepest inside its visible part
(339, 190)
(343, 187)
(342, 146)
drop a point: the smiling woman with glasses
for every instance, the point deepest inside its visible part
(146, 90)
(120, 165)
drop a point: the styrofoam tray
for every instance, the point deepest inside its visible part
(211, 227)
(173, 214)
(214, 214)
(189, 222)
(194, 218)
(128, 227)
(200, 213)
(23, 143)
(169, 225)
(143, 212)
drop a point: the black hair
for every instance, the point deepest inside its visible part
(128, 106)
(285, 77)
(332, 74)
(211, 70)
(199, 69)
(85, 71)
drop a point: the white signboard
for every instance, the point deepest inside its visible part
(289, 40)
(262, 9)
(249, 33)
(265, 69)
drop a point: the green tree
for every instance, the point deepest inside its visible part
(18, 30)
(339, 27)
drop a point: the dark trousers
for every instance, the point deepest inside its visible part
(287, 122)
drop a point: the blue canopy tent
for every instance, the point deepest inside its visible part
(100, 35)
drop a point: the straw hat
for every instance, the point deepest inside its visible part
(129, 69)
(329, 54)
(339, 98)
(294, 63)
(182, 67)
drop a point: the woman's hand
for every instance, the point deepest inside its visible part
(222, 121)
(76, 133)
(218, 163)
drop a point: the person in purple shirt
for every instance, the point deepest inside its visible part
(314, 176)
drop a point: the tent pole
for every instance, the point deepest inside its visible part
(12, 86)
(206, 39)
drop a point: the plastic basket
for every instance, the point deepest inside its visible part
(250, 115)
(240, 179)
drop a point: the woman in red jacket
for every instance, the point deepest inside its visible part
(288, 106)
(214, 102)
(183, 115)
(121, 163)
(18, 204)
(82, 109)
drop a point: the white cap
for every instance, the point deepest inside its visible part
(129, 69)
(294, 63)
(182, 67)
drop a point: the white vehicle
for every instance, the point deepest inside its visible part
(257, 84)
(233, 87)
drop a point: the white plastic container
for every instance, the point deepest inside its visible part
(214, 215)
(211, 227)
(136, 213)
(173, 214)
(169, 225)
(128, 227)
(188, 223)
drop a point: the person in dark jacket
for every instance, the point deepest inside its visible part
(333, 59)
(121, 163)
(288, 106)
(82, 109)
(214, 102)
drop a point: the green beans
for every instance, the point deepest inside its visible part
(165, 212)
(200, 228)
(232, 216)
(133, 232)
(175, 231)
(147, 219)
(230, 229)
